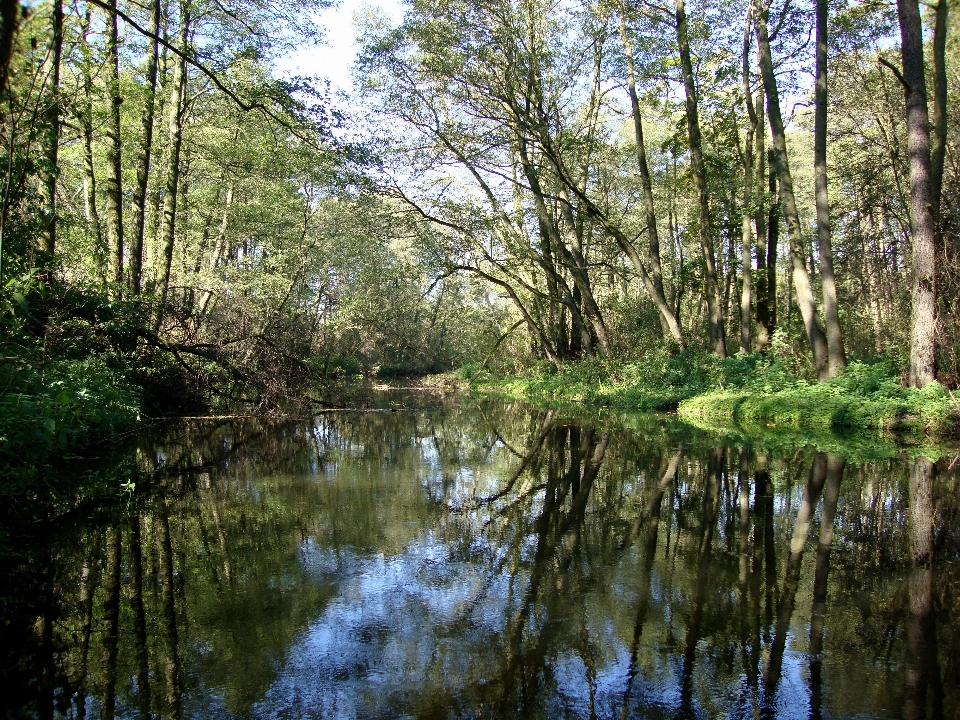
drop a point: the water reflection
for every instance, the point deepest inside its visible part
(487, 560)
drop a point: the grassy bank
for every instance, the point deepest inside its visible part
(745, 389)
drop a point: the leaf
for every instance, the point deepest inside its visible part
(21, 301)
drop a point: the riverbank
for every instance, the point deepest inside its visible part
(51, 410)
(744, 390)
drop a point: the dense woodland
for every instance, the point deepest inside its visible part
(512, 183)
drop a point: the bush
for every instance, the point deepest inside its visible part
(44, 413)
(865, 395)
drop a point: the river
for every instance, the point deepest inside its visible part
(481, 558)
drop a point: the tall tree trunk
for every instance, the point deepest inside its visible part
(788, 202)
(653, 238)
(577, 264)
(711, 286)
(836, 356)
(175, 138)
(773, 243)
(113, 182)
(592, 210)
(51, 122)
(749, 181)
(91, 214)
(938, 148)
(922, 360)
(139, 206)
(766, 287)
(559, 248)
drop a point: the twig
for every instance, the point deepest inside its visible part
(896, 71)
(493, 350)
(954, 398)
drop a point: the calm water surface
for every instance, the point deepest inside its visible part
(482, 559)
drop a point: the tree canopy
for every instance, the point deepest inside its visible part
(540, 181)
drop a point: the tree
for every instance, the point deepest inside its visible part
(139, 204)
(922, 351)
(788, 202)
(705, 226)
(836, 355)
(113, 183)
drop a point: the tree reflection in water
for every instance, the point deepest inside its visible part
(486, 560)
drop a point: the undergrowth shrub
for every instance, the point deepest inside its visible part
(44, 413)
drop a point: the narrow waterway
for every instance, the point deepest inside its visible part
(485, 559)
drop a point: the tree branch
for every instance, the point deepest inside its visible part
(896, 71)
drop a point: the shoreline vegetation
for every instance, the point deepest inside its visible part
(744, 392)
(75, 404)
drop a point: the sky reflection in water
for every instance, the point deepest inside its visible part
(489, 560)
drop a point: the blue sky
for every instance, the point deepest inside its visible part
(333, 60)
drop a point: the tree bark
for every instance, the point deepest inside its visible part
(653, 237)
(554, 242)
(175, 138)
(772, 219)
(139, 205)
(91, 214)
(746, 232)
(718, 341)
(9, 20)
(788, 202)
(938, 148)
(922, 360)
(766, 286)
(51, 122)
(113, 182)
(836, 355)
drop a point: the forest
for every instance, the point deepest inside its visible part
(585, 359)
(650, 200)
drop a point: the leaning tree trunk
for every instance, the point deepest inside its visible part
(138, 209)
(113, 182)
(788, 202)
(836, 356)
(653, 238)
(922, 361)
(711, 287)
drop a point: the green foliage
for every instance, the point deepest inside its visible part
(46, 412)
(866, 395)
(756, 389)
(658, 381)
(63, 372)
